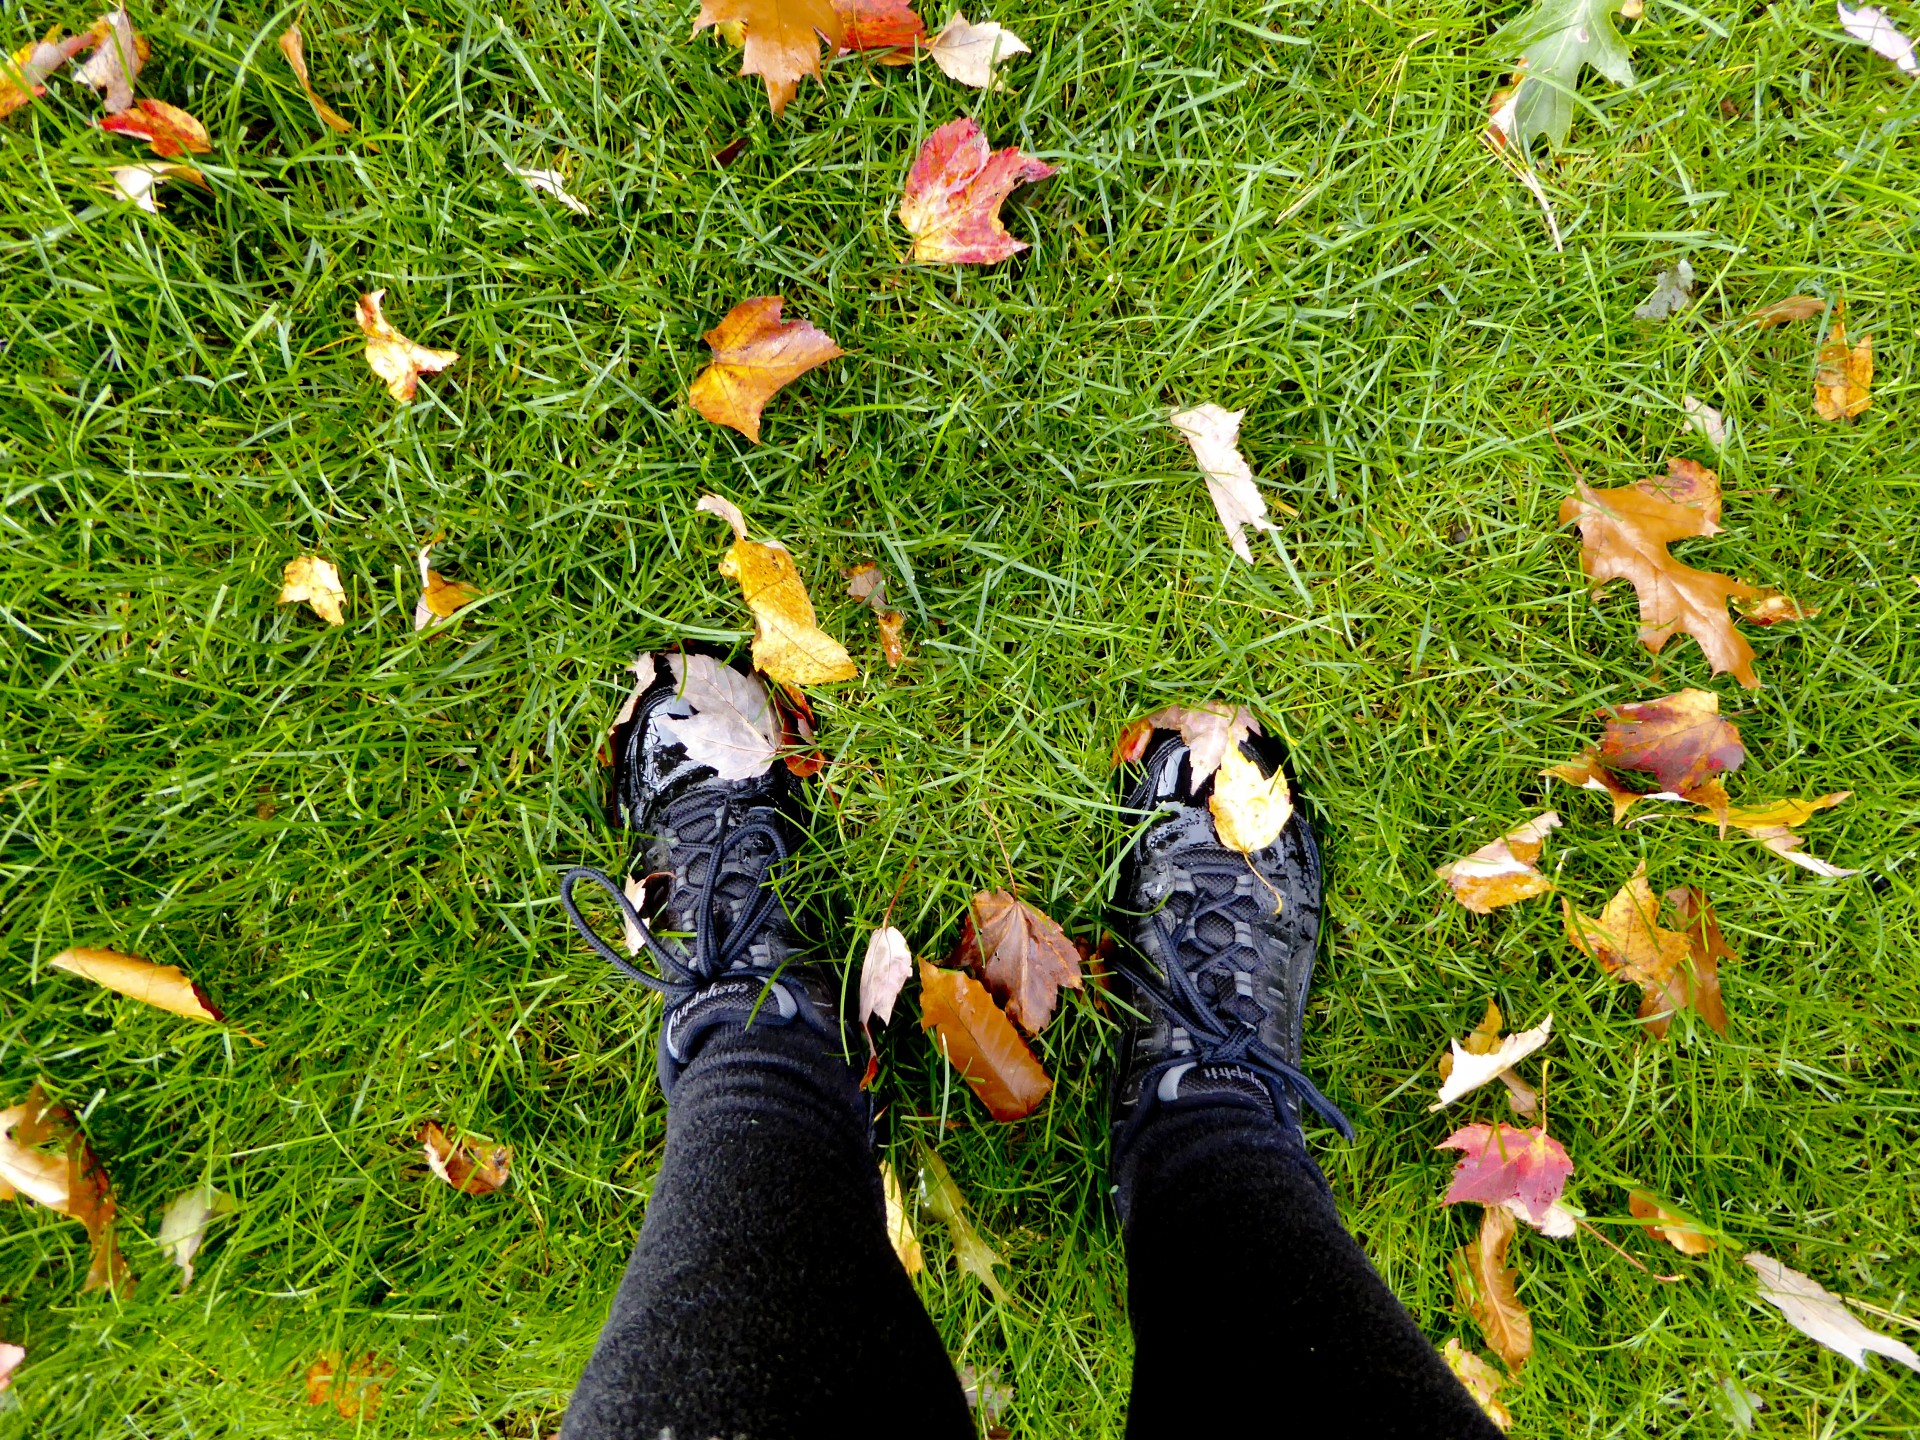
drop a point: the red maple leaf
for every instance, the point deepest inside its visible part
(1502, 1163)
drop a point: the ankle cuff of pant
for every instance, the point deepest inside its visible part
(742, 1004)
(1164, 1137)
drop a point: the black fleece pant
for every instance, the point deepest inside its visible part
(764, 1301)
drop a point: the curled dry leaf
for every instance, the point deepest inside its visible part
(395, 358)
(293, 46)
(1588, 773)
(951, 205)
(973, 54)
(788, 646)
(1214, 434)
(1485, 1284)
(1706, 420)
(886, 30)
(1678, 739)
(1706, 948)
(1624, 535)
(183, 1228)
(1473, 1066)
(170, 131)
(1502, 872)
(117, 56)
(1879, 34)
(473, 1165)
(353, 1391)
(1484, 1039)
(726, 510)
(1821, 1316)
(1481, 1380)
(1250, 808)
(1671, 1226)
(946, 1204)
(981, 1043)
(754, 354)
(1209, 730)
(136, 182)
(23, 74)
(723, 718)
(1672, 293)
(1772, 825)
(309, 578)
(780, 41)
(1022, 956)
(1843, 377)
(1628, 944)
(1500, 1163)
(1783, 312)
(10, 1358)
(439, 596)
(906, 1245)
(868, 583)
(554, 184)
(1773, 608)
(162, 986)
(68, 1180)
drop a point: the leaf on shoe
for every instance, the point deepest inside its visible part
(951, 205)
(473, 1164)
(728, 721)
(392, 356)
(1485, 1284)
(1678, 739)
(162, 986)
(1843, 377)
(755, 353)
(1674, 1228)
(1249, 809)
(781, 40)
(1628, 943)
(169, 130)
(973, 54)
(68, 1180)
(1503, 871)
(885, 30)
(293, 46)
(946, 1204)
(1624, 535)
(353, 1390)
(899, 1228)
(183, 1228)
(116, 60)
(1209, 730)
(1022, 955)
(1214, 433)
(317, 582)
(1501, 1163)
(788, 646)
(439, 596)
(981, 1043)
(1481, 1380)
(1772, 825)
(1472, 1067)
(1821, 1316)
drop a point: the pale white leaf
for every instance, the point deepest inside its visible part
(10, 1358)
(727, 511)
(183, 1228)
(1214, 435)
(1872, 28)
(136, 182)
(972, 53)
(1471, 1071)
(1783, 842)
(1707, 420)
(115, 62)
(1560, 1223)
(643, 674)
(636, 892)
(888, 964)
(723, 718)
(1672, 293)
(1209, 731)
(554, 183)
(1821, 1316)
(40, 1175)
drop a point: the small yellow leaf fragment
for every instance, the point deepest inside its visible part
(1674, 1228)
(788, 646)
(394, 358)
(294, 48)
(439, 596)
(1843, 377)
(473, 1164)
(1249, 809)
(1502, 872)
(899, 1229)
(316, 581)
(1483, 1382)
(161, 986)
(353, 1390)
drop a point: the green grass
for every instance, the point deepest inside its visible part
(351, 836)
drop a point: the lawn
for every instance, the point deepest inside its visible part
(351, 837)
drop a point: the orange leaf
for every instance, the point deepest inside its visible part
(395, 358)
(954, 192)
(1629, 944)
(22, 74)
(479, 1170)
(1022, 955)
(1624, 535)
(1706, 947)
(170, 131)
(356, 1393)
(1679, 739)
(884, 25)
(1843, 378)
(1132, 743)
(1675, 1229)
(981, 1043)
(754, 354)
(1502, 872)
(1585, 772)
(162, 986)
(1794, 307)
(1486, 1284)
(1773, 608)
(294, 48)
(71, 1183)
(782, 39)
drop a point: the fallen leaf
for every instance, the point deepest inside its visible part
(1678, 739)
(1672, 293)
(1502, 872)
(183, 1228)
(1628, 944)
(554, 184)
(1481, 1380)
(1708, 421)
(354, 1394)
(1502, 138)
(1473, 1068)
(985, 1394)
(951, 205)
(1132, 743)
(868, 583)
(981, 1043)
(22, 75)
(1501, 1163)
(1249, 809)
(1588, 773)
(10, 1358)
(479, 1170)
(1781, 312)
(294, 48)
(168, 130)
(439, 596)
(893, 637)
(1821, 1316)
(1879, 34)
(1772, 825)
(1022, 956)
(754, 354)
(1674, 1228)
(1553, 41)
(887, 26)
(1706, 948)
(973, 54)
(723, 719)
(1559, 1223)
(1773, 608)
(899, 1228)
(781, 42)
(788, 646)
(635, 889)
(116, 59)
(1842, 377)
(69, 1181)
(395, 358)
(1209, 730)
(1486, 1285)
(726, 510)
(309, 578)
(136, 182)
(162, 986)
(885, 969)
(1485, 1039)
(944, 1201)
(730, 152)
(1214, 435)
(1624, 535)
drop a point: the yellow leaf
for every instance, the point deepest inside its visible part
(292, 46)
(1674, 1228)
(780, 39)
(755, 353)
(1842, 377)
(395, 358)
(1249, 809)
(899, 1229)
(1501, 872)
(161, 986)
(309, 578)
(788, 646)
(439, 596)
(945, 1202)
(1483, 1382)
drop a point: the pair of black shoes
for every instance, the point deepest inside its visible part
(1213, 974)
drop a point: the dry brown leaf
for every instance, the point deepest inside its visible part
(394, 358)
(981, 1043)
(1624, 535)
(1843, 377)
(473, 1165)
(309, 578)
(69, 1181)
(755, 352)
(1678, 739)
(1209, 731)
(294, 48)
(1773, 608)
(788, 646)
(162, 986)
(1772, 825)
(1629, 944)
(1587, 773)
(1482, 1381)
(1486, 1286)
(868, 583)
(439, 596)
(1676, 1229)
(1794, 307)
(906, 1245)
(1021, 954)
(1707, 947)
(781, 40)
(1502, 872)
(21, 75)
(885, 30)
(1249, 809)
(354, 1394)
(947, 1205)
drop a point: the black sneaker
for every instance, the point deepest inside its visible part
(1218, 958)
(709, 861)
